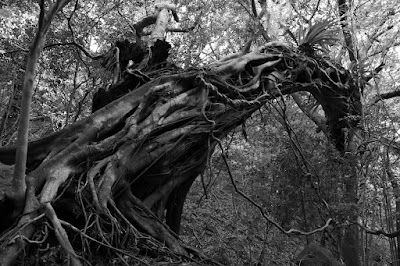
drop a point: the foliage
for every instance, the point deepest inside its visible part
(318, 36)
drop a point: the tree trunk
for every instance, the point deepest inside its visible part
(350, 242)
(350, 246)
(396, 195)
(17, 193)
(139, 155)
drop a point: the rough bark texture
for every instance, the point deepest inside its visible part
(116, 171)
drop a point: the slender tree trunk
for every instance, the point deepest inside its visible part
(73, 92)
(19, 184)
(350, 246)
(396, 195)
(350, 243)
(388, 219)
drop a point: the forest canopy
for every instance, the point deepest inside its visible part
(199, 132)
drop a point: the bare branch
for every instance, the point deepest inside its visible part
(315, 11)
(380, 232)
(386, 96)
(41, 14)
(298, 12)
(375, 72)
(77, 45)
(253, 8)
(127, 22)
(74, 42)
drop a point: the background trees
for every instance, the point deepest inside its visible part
(285, 166)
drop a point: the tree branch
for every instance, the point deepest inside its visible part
(292, 4)
(343, 13)
(387, 95)
(319, 120)
(315, 11)
(374, 72)
(77, 45)
(253, 8)
(379, 232)
(74, 42)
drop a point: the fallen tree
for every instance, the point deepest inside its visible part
(116, 171)
(122, 174)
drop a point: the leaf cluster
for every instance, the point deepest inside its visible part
(317, 37)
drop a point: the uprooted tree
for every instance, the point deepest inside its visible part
(126, 169)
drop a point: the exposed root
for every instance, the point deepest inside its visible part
(14, 241)
(61, 235)
(138, 214)
(235, 103)
(105, 185)
(236, 65)
(84, 235)
(90, 178)
(254, 83)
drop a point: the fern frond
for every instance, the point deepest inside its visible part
(319, 36)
